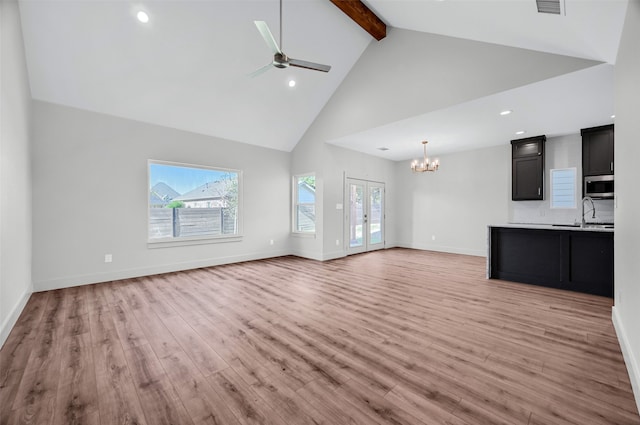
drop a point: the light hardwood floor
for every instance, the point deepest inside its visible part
(389, 337)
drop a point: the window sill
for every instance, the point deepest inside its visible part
(168, 243)
(304, 235)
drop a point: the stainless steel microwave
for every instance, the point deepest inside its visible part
(599, 186)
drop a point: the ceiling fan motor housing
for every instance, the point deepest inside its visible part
(280, 60)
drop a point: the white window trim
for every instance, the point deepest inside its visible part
(195, 240)
(294, 203)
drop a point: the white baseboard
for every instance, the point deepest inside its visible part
(630, 358)
(309, 255)
(333, 255)
(11, 320)
(329, 255)
(443, 248)
(78, 280)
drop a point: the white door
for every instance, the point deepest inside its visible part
(365, 216)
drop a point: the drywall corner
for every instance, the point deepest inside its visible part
(627, 352)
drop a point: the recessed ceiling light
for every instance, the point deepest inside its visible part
(292, 83)
(613, 116)
(506, 112)
(382, 148)
(142, 17)
(520, 132)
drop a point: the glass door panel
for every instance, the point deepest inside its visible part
(365, 216)
(356, 215)
(376, 194)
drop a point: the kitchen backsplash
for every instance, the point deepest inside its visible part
(539, 212)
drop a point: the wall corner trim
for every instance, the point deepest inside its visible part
(630, 358)
(11, 320)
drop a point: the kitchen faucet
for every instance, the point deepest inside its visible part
(593, 208)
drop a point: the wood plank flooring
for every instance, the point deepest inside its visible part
(389, 337)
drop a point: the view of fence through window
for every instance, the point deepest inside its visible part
(192, 201)
(305, 203)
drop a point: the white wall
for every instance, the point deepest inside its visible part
(560, 152)
(306, 157)
(626, 313)
(332, 165)
(369, 99)
(90, 197)
(410, 73)
(455, 204)
(15, 171)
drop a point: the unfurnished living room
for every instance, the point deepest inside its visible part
(319, 212)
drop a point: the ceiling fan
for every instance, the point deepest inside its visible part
(280, 60)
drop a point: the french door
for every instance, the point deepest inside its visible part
(365, 215)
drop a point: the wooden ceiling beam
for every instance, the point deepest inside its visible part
(363, 16)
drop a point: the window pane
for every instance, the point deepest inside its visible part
(306, 190)
(306, 218)
(305, 198)
(191, 201)
(563, 188)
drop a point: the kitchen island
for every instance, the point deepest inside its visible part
(558, 256)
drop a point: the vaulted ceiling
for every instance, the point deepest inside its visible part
(187, 68)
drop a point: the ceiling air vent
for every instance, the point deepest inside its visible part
(548, 6)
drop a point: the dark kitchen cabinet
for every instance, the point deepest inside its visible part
(527, 169)
(575, 260)
(597, 150)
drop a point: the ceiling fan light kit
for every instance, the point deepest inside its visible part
(424, 165)
(280, 59)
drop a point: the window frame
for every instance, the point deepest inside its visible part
(295, 204)
(573, 171)
(195, 240)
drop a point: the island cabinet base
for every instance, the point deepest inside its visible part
(577, 260)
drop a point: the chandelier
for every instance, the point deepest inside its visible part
(421, 167)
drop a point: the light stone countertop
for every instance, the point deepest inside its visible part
(588, 228)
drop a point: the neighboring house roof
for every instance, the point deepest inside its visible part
(164, 191)
(306, 193)
(154, 199)
(211, 190)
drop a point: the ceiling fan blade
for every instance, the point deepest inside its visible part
(260, 71)
(309, 65)
(268, 37)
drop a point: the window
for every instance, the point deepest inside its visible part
(304, 208)
(189, 202)
(563, 188)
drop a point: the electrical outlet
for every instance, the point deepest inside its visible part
(433, 237)
(270, 241)
(108, 258)
(337, 242)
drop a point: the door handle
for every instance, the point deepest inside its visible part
(611, 166)
(538, 191)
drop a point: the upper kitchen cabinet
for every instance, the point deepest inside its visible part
(527, 169)
(597, 150)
